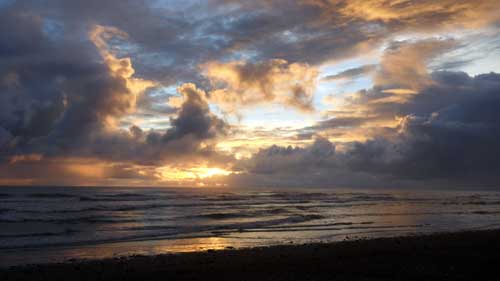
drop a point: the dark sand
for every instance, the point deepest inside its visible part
(457, 256)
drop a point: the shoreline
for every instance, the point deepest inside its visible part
(469, 255)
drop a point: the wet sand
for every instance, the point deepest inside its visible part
(453, 256)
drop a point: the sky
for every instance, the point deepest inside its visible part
(272, 93)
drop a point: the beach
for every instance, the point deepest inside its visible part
(472, 255)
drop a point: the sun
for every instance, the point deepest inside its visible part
(190, 174)
(210, 172)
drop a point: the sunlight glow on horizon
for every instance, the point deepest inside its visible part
(189, 174)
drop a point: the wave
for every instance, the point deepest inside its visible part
(485, 212)
(95, 197)
(321, 225)
(260, 224)
(348, 227)
(483, 203)
(89, 219)
(138, 237)
(228, 197)
(479, 212)
(369, 197)
(51, 195)
(99, 208)
(308, 195)
(40, 234)
(126, 194)
(300, 205)
(116, 199)
(143, 228)
(246, 214)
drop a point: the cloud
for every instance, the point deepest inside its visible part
(239, 83)
(55, 91)
(77, 77)
(404, 64)
(351, 73)
(64, 101)
(194, 117)
(168, 42)
(190, 137)
(338, 122)
(448, 136)
(290, 159)
(119, 67)
(134, 157)
(75, 171)
(423, 14)
(398, 79)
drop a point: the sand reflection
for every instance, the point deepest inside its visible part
(195, 244)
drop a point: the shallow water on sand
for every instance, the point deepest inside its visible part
(48, 224)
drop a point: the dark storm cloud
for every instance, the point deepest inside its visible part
(53, 89)
(164, 42)
(450, 132)
(194, 117)
(189, 138)
(292, 160)
(194, 125)
(111, 157)
(58, 98)
(28, 36)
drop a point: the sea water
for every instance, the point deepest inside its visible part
(53, 224)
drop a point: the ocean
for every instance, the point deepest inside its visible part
(55, 224)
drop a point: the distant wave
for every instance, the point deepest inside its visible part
(216, 215)
(321, 225)
(121, 198)
(242, 214)
(98, 208)
(51, 195)
(482, 203)
(96, 198)
(39, 234)
(336, 227)
(422, 213)
(88, 219)
(142, 228)
(125, 194)
(258, 224)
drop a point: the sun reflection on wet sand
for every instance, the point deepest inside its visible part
(153, 247)
(196, 244)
